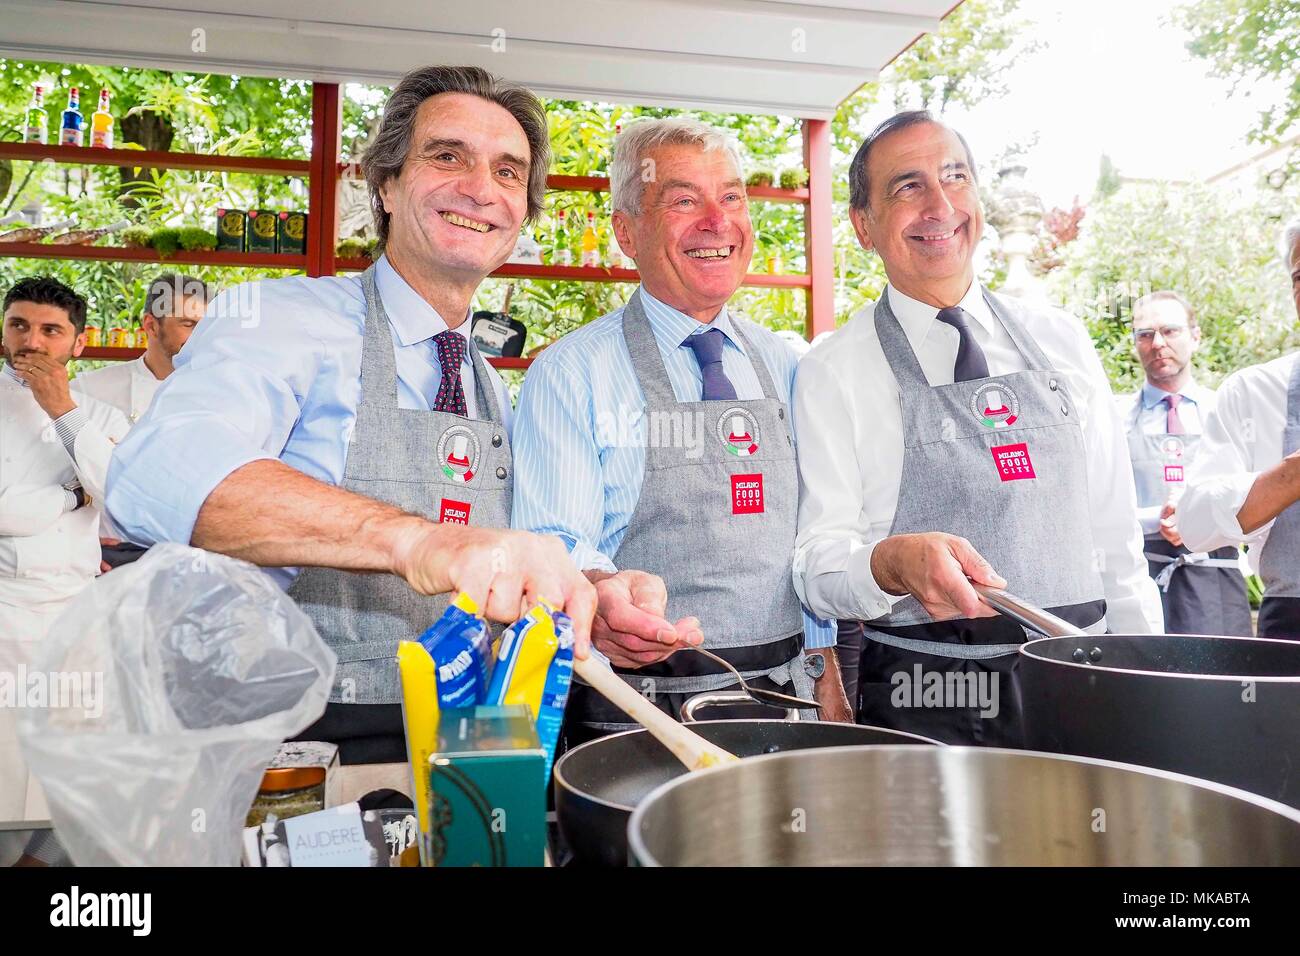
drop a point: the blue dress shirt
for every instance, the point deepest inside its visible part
(272, 371)
(579, 435)
(1147, 414)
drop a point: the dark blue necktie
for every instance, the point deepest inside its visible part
(970, 363)
(708, 352)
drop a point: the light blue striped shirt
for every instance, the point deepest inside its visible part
(272, 371)
(579, 438)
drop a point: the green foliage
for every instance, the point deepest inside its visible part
(1108, 180)
(1216, 249)
(1247, 41)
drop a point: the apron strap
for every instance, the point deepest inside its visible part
(1033, 353)
(378, 362)
(1293, 400)
(970, 652)
(488, 408)
(648, 361)
(1197, 559)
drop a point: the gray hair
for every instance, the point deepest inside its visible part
(627, 179)
(1290, 236)
(859, 187)
(387, 155)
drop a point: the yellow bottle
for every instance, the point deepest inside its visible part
(590, 243)
(101, 124)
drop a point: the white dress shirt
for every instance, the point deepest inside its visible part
(848, 416)
(127, 386)
(1243, 437)
(49, 548)
(1144, 412)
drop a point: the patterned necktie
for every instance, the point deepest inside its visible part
(451, 352)
(970, 363)
(707, 347)
(1173, 422)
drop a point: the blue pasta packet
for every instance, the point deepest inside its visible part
(461, 647)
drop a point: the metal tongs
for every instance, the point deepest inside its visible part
(756, 694)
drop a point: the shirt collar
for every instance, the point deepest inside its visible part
(671, 327)
(143, 370)
(917, 318)
(412, 318)
(13, 376)
(1152, 396)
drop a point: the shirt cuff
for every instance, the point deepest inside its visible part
(870, 600)
(1149, 520)
(818, 634)
(587, 558)
(68, 426)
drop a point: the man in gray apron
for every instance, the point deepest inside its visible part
(658, 438)
(947, 435)
(1247, 487)
(1202, 592)
(349, 426)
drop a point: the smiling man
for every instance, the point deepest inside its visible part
(658, 439)
(349, 427)
(949, 434)
(1202, 592)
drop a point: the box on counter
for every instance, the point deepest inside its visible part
(291, 236)
(487, 791)
(262, 229)
(231, 230)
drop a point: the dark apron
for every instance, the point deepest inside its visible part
(999, 461)
(716, 520)
(1279, 562)
(436, 464)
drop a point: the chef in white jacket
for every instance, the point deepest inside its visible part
(54, 452)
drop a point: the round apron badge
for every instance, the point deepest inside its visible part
(738, 432)
(1171, 448)
(458, 453)
(995, 405)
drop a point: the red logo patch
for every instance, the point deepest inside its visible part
(746, 494)
(1173, 473)
(453, 512)
(1013, 462)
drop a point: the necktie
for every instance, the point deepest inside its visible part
(1173, 423)
(451, 352)
(970, 363)
(708, 352)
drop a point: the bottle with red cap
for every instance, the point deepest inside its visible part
(101, 124)
(72, 130)
(37, 125)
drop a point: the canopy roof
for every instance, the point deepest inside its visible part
(799, 57)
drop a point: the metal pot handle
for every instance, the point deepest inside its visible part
(1025, 614)
(715, 698)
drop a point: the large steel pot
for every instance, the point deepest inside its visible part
(954, 806)
(598, 784)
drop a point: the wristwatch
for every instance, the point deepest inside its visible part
(74, 486)
(814, 665)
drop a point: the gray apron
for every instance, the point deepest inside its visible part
(435, 464)
(999, 461)
(716, 519)
(1202, 592)
(1279, 562)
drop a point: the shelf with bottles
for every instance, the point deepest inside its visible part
(72, 148)
(182, 257)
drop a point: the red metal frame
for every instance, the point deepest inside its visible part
(45, 250)
(326, 142)
(154, 159)
(819, 243)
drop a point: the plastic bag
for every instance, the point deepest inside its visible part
(192, 668)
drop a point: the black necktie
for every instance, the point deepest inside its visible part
(970, 363)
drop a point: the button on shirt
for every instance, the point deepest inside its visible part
(49, 548)
(848, 415)
(1148, 413)
(1243, 437)
(579, 442)
(272, 371)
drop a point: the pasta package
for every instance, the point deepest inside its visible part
(460, 644)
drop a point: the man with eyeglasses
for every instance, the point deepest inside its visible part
(1202, 592)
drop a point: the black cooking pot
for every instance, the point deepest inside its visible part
(1225, 709)
(598, 784)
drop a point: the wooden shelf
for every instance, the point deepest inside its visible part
(45, 250)
(103, 353)
(154, 159)
(527, 270)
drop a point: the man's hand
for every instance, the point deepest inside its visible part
(507, 573)
(630, 628)
(936, 569)
(49, 382)
(1169, 525)
(828, 690)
